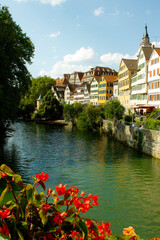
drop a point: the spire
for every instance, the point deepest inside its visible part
(146, 33)
(145, 39)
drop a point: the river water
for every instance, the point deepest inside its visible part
(127, 182)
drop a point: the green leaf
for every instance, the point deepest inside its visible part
(22, 230)
(2, 236)
(71, 211)
(18, 181)
(7, 170)
(30, 193)
(94, 227)
(81, 224)
(43, 217)
(4, 193)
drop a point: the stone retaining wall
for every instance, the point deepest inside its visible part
(145, 140)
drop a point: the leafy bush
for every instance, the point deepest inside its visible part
(90, 118)
(154, 113)
(71, 112)
(113, 110)
(152, 124)
(127, 118)
(31, 216)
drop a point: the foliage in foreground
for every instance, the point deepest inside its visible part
(56, 215)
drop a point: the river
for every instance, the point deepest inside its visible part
(127, 182)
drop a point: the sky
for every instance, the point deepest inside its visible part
(75, 35)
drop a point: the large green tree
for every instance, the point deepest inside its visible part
(16, 50)
(114, 110)
(50, 108)
(40, 85)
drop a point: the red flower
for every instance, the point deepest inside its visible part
(46, 207)
(3, 175)
(82, 194)
(61, 189)
(104, 229)
(4, 230)
(4, 214)
(59, 217)
(42, 177)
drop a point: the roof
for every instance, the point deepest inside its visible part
(131, 64)
(147, 52)
(61, 82)
(109, 77)
(40, 98)
(157, 50)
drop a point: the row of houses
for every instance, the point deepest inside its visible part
(136, 84)
(92, 87)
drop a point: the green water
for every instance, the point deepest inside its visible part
(127, 182)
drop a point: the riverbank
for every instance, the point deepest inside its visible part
(144, 140)
(51, 122)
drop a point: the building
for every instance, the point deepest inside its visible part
(127, 68)
(115, 89)
(76, 78)
(139, 82)
(68, 93)
(105, 88)
(154, 78)
(94, 91)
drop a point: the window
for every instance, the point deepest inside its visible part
(150, 73)
(157, 71)
(154, 72)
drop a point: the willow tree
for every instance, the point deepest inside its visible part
(16, 50)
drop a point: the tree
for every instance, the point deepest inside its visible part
(90, 118)
(50, 108)
(40, 85)
(114, 110)
(71, 112)
(16, 49)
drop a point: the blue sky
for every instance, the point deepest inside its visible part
(75, 35)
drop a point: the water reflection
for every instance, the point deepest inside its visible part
(126, 181)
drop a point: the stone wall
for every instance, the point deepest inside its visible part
(145, 140)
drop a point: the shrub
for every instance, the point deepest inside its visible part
(114, 110)
(127, 118)
(31, 216)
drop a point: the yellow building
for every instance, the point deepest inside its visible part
(127, 68)
(105, 88)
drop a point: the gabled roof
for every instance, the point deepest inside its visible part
(61, 82)
(157, 50)
(109, 77)
(147, 52)
(131, 64)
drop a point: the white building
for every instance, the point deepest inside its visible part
(154, 78)
(94, 91)
(139, 82)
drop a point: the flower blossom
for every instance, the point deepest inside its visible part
(4, 214)
(128, 231)
(3, 175)
(61, 189)
(42, 177)
(59, 217)
(4, 229)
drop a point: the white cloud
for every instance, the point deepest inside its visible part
(55, 35)
(61, 67)
(111, 59)
(82, 60)
(156, 44)
(53, 2)
(81, 55)
(98, 11)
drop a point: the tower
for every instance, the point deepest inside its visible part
(145, 39)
